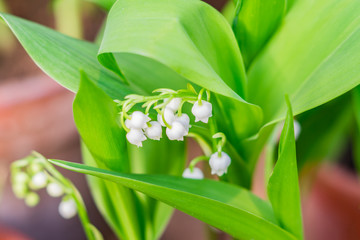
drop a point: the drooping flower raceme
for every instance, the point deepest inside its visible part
(219, 163)
(168, 105)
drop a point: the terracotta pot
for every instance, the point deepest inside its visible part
(332, 208)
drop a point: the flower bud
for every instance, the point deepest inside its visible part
(67, 208)
(39, 180)
(137, 120)
(20, 190)
(168, 115)
(184, 120)
(21, 178)
(36, 167)
(174, 104)
(202, 111)
(54, 189)
(135, 136)
(195, 174)
(176, 132)
(219, 164)
(32, 199)
(154, 131)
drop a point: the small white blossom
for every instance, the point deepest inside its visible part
(54, 189)
(219, 164)
(168, 115)
(67, 209)
(137, 120)
(39, 180)
(297, 129)
(174, 104)
(195, 174)
(136, 137)
(184, 120)
(154, 131)
(202, 111)
(176, 132)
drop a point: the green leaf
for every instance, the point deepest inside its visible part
(105, 4)
(254, 24)
(283, 187)
(229, 208)
(96, 117)
(62, 57)
(311, 61)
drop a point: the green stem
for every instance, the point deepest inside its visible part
(196, 160)
(68, 17)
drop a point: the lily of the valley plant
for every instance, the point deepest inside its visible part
(165, 71)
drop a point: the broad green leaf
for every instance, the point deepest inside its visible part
(254, 24)
(62, 57)
(283, 186)
(323, 131)
(96, 116)
(312, 57)
(229, 208)
(167, 33)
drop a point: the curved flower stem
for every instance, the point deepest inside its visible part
(196, 160)
(71, 190)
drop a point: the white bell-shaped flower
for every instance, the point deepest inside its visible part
(136, 137)
(184, 119)
(54, 189)
(168, 115)
(67, 208)
(177, 131)
(195, 174)
(39, 180)
(174, 104)
(202, 111)
(137, 120)
(219, 164)
(297, 129)
(154, 132)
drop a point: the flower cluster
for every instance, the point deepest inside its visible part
(168, 105)
(34, 173)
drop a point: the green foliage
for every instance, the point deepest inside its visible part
(229, 208)
(254, 23)
(283, 187)
(306, 49)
